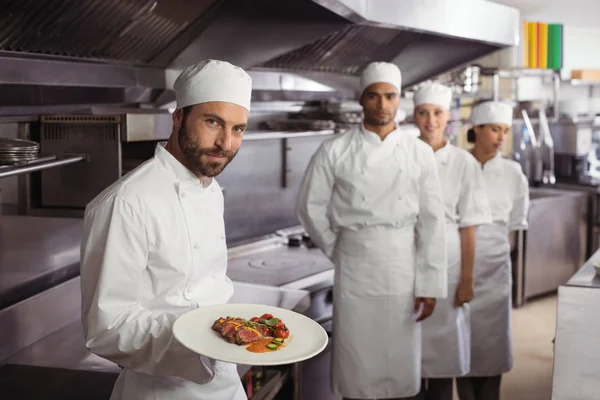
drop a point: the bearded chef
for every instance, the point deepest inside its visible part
(386, 236)
(154, 246)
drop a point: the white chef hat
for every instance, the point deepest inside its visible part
(434, 93)
(492, 112)
(381, 72)
(213, 80)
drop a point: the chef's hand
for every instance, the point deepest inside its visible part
(428, 304)
(464, 293)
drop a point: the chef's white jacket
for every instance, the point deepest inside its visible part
(153, 248)
(337, 180)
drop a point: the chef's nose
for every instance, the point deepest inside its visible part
(224, 139)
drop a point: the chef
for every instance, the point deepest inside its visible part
(508, 199)
(384, 235)
(154, 246)
(446, 344)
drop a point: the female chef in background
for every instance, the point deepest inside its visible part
(508, 199)
(446, 344)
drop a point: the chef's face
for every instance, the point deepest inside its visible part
(380, 102)
(431, 120)
(489, 137)
(210, 135)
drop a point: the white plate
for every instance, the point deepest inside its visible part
(193, 330)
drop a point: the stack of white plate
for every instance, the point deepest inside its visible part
(14, 151)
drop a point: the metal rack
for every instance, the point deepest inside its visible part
(516, 73)
(41, 163)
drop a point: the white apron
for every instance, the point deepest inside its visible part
(491, 347)
(376, 341)
(446, 333)
(226, 385)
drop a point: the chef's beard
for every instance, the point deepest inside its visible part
(196, 155)
(375, 121)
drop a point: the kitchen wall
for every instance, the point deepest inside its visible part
(581, 50)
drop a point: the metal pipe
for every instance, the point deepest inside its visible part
(555, 94)
(496, 86)
(36, 165)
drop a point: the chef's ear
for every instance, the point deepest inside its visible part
(178, 116)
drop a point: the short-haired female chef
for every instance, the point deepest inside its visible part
(446, 345)
(508, 198)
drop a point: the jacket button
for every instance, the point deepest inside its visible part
(183, 194)
(196, 245)
(222, 237)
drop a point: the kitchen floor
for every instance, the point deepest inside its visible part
(534, 326)
(533, 332)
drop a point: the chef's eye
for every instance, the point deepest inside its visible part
(239, 129)
(438, 112)
(390, 96)
(212, 122)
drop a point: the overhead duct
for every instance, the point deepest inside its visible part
(125, 52)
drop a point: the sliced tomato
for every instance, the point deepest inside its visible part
(282, 333)
(255, 319)
(266, 316)
(279, 324)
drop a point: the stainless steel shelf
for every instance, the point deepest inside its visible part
(41, 163)
(265, 135)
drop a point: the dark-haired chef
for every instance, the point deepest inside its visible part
(386, 236)
(154, 246)
(507, 192)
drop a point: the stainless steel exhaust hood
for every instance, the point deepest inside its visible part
(123, 52)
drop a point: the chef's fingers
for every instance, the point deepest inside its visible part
(418, 302)
(428, 307)
(457, 300)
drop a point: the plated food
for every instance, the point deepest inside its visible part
(305, 337)
(260, 334)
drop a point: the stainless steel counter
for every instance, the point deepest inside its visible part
(272, 262)
(577, 348)
(554, 245)
(36, 254)
(66, 349)
(586, 276)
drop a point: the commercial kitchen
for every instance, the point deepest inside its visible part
(87, 94)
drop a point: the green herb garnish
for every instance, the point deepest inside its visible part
(270, 322)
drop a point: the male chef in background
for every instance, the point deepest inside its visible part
(154, 246)
(386, 236)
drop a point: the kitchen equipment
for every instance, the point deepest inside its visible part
(296, 125)
(594, 105)
(13, 151)
(553, 242)
(193, 329)
(547, 143)
(572, 144)
(526, 148)
(467, 79)
(574, 108)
